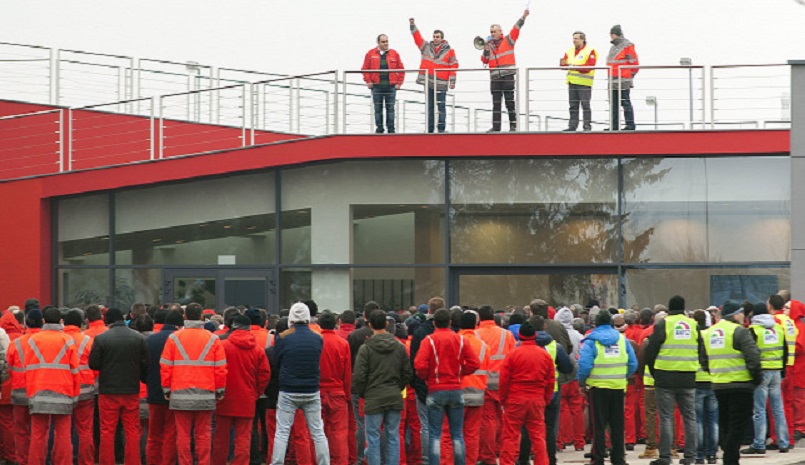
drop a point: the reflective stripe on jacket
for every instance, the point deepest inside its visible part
(51, 371)
(791, 333)
(500, 57)
(443, 59)
(727, 365)
(680, 351)
(85, 375)
(621, 54)
(193, 368)
(771, 343)
(473, 386)
(500, 343)
(580, 58)
(610, 367)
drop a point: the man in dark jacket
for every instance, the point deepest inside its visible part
(356, 339)
(673, 355)
(297, 354)
(161, 447)
(382, 370)
(120, 355)
(565, 366)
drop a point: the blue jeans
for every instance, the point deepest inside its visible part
(707, 423)
(360, 429)
(390, 420)
(422, 413)
(287, 405)
(769, 388)
(384, 95)
(441, 97)
(450, 403)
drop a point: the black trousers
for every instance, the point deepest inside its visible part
(607, 409)
(551, 430)
(734, 414)
(580, 95)
(625, 101)
(503, 88)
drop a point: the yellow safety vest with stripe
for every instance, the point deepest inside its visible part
(680, 351)
(610, 366)
(574, 59)
(648, 380)
(791, 333)
(771, 342)
(727, 365)
(703, 376)
(551, 348)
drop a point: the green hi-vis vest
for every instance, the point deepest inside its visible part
(648, 380)
(727, 365)
(610, 366)
(573, 59)
(680, 351)
(771, 342)
(551, 348)
(791, 332)
(703, 376)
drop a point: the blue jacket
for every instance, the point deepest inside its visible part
(156, 342)
(606, 335)
(297, 353)
(515, 330)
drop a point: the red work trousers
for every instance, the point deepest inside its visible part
(629, 410)
(161, 447)
(301, 450)
(472, 437)
(352, 447)
(62, 445)
(243, 436)
(413, 451)
(125, 408)
(22, 432)
(200, 421)
(571, 416)
(84, 418)
(7, 449)
(491, 425)
(334, 414)
(531, 414)
(799, 410)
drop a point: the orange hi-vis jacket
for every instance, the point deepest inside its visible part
(95, 328)
(51, 371)
(501, 54)
(16, 365)
(193, 368)
(473, 386)
(623, 54)
(263, 337)
(85, 375)
(500, 343)
(442, 58)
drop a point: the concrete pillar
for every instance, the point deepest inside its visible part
(797, 175)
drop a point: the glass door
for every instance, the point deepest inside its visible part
(220, 288)
(504, 287)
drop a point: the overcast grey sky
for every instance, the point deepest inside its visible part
(299, 36)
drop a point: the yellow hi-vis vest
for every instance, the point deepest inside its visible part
(727, 365)
(573, 59)
(703, 376)
(680, 351)
(551, 348)
(771, 342)
(648, 380)
(610, 366)
(791, 333)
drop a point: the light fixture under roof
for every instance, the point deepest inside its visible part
(227, 226)
(157, 240)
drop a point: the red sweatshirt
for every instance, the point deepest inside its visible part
(443, 358)
(247, 374)
(335, 364)
(344, 329)
(527, 373)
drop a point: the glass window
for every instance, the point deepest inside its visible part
(364, 212)
(702, 287)
(82, 287)
(534, 211)
(142, 285)
(688, 210)
(227, 221)
(83, 230)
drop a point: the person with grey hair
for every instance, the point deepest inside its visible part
(580, 80)
(499, 56)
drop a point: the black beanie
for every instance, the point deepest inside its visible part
(676, 303)
(527, 331)
(616, 29)
(174, 318)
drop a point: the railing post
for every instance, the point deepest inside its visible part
(69, 139)
(152, 127)
(252, 110)
(527, 100)
(517, 97)
(452, 112)
(298, 105)
(51, 75)
(161, 139)
(344, 109)
(56, 78)
(712, 98)
(243, 113)
(61, 140)
(335, 102)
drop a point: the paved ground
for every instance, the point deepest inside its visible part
(794, 456)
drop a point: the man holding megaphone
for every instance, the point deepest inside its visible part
(499, 56)
(438, 61)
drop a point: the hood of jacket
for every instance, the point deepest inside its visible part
(9, 323)
(543, 338)
(765, 320)
(605, 334)
(242, 339)
(797, 310)
(565, 316)
(384, 343)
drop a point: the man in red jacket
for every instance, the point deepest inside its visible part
(335, 388)
(442, 360)
(526, 387)
(384, 85)
(247, 376)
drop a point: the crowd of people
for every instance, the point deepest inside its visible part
(438, 75)
(158, 385)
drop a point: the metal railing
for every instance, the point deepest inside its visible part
(26, 72)
(762, 91)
